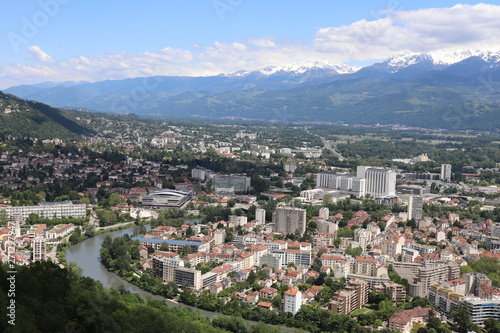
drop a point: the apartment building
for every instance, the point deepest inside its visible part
(482, 309)
(353, 297)
(364, 265)
(49, 210)
(288, 220)
(188, 277)
(292, 300)
(164, 265)
(39, 249)
(443, 298)
(403, 320)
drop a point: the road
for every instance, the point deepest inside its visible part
(327, 145)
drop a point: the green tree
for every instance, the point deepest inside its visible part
(462, 320)
(4, 217)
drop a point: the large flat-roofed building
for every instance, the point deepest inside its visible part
(443, 298)
(50, 210)
(231, 183)
(422, 277)
(288, 220)
(173, 245)
(413, 189)
(341, 181)
(167, 198)
(482, 309)
(188, 277)
(380, 182)
(164, 265)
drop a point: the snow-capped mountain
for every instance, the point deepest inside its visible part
(411, 64)
(438, 59)
(453, 57)
(299, 68)
(406, 59)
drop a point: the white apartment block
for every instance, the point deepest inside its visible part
(49, 210)
(363, 237)
(260, 215)
(324, 213)
(164, 265)
(292, 300)
(380, 182)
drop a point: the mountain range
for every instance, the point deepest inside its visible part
(458, 90)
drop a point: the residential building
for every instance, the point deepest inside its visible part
(415, 207)
(394, 291)
(422, 277)
(292, 300)
(231, 183)
(164, 265)
(188, 277)
(39, 249)
(363, 237)
(260, 216)
(445, 172)
(268, 293)
(289, 220)
(404, 320)
(49, 210)
(443, 298)
(482, 309)
(219, 236)
(364, 265)
(324, 213)
(173, 245)
(327, 227)
(353, 297)
(275, 261)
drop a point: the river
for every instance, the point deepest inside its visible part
(86, 255)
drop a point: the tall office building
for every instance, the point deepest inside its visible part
(445, 172)
(380, 182)
(415, 207)
(288, 220)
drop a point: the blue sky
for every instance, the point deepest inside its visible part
(58, 40)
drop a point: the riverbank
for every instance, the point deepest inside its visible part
(86, 255)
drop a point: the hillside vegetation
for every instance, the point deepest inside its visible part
(23, 118)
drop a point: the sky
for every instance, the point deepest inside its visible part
(70, 40)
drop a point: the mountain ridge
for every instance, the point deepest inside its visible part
(328, 92)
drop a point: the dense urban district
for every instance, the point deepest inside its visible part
(320, 227)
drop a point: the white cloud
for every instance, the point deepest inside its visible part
(425, 30)
(387, 34)
(262, 42)
(37, 52)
